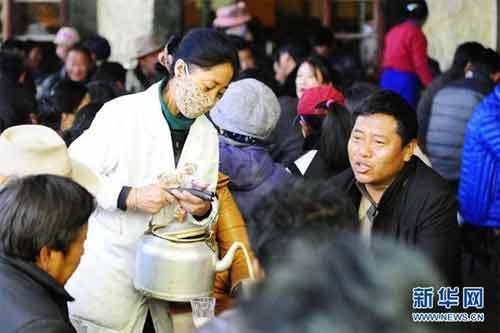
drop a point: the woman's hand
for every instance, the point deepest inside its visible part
(192, 204)
(149, 199)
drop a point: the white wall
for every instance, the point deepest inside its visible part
(122, 21)
(452, 22)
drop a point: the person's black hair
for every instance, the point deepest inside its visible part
(465, 53)
(321, 64)
(259, 75)
(487, 63)
(307, 208)
(31, 44)
(297, 48)
(42, 210)
(99, 46)
(68, 95)
(335, 134)
(111, 71)
(83, 120)
(340, 284)
(357, 93)
(16, 104)
(12, 65)
(17, 101)
(313, 139)
(48, 113)
(81, 49)
(494, 58)
(15, 46)
(392, 104)
(240, 43)
(322, 36)
(203, 47)
(103, 91)
(416, 10)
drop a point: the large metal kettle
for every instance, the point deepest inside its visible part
(177, 262)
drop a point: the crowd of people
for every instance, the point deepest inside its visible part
(347, 192)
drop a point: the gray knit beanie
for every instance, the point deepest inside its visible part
(248, 107)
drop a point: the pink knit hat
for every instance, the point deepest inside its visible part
(67, 36)
(232, 16)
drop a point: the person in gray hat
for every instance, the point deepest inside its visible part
(144, 74)
(245, 116)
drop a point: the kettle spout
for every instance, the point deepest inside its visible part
(226, 262)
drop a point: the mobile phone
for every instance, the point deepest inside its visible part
(203, 195)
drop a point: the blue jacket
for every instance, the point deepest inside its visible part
(479, 189)
(252, 172)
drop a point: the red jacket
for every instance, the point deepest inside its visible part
(405, 49)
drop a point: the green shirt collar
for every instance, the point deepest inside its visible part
(176, 123)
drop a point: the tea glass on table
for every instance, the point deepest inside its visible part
(203, 309)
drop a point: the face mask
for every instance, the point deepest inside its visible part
(191, 101)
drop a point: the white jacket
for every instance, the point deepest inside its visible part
(129, 144)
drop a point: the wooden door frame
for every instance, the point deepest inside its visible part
(8, 29)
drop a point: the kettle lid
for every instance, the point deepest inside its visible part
(181, 231)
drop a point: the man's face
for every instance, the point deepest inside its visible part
(61, 266)
(77, 66)
(35, 57)
(247, 60)
(375, 150)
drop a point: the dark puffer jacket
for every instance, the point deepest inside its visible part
(451, 110)
(32, 301)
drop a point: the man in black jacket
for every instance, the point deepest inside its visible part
(43, 225)
(395, 193)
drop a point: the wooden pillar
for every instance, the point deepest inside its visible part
(64, 12)
(7, 19)
(379, 27)
(327, 13)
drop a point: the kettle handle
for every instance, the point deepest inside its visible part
(225, 262)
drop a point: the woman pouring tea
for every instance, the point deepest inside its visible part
(142, 146)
